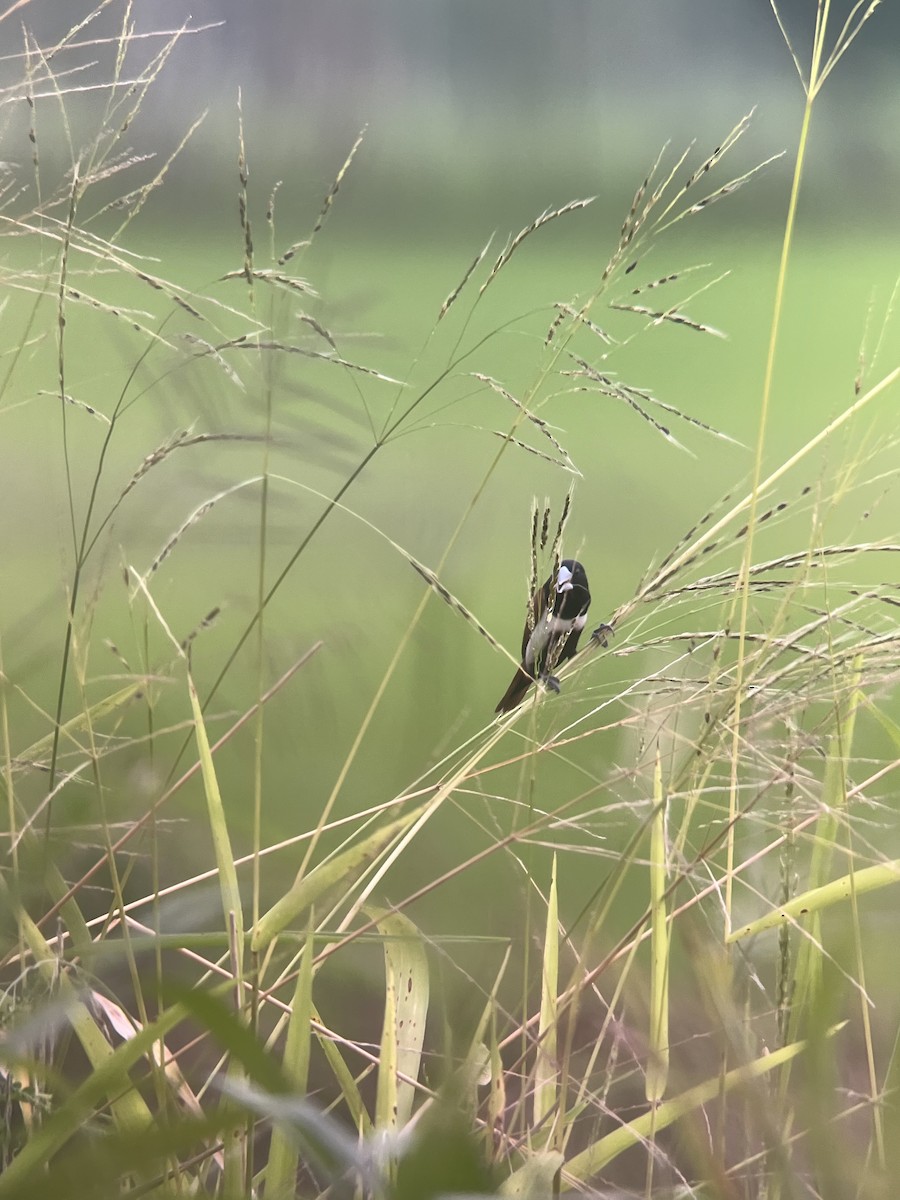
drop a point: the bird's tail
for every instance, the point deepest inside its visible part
(515, 693)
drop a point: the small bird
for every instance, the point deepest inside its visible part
(558, 615)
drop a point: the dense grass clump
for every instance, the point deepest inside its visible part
(285, 911)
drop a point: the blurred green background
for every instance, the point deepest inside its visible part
(477, 117)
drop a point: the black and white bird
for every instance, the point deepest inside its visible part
(557, 617)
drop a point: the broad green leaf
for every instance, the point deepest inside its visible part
(536, 1177)
(340, 871)
(602, 1152)
(405, 1013)
(869, 879)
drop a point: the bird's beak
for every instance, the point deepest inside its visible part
(564, 580)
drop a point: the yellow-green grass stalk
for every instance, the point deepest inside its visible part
(236, 1140)
(819, 69)
(810, 903)
(606, 1149)
(343, 1076)
(284, 1154)
(657, 1072)
(546, 1068)
(808, 967)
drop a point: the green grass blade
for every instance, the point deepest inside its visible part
(807, 974)
(339, 871)
(234, 1140)
(538, 1176)
(228, 881)
(602, 1152)
(811, 903)
(344, 1078)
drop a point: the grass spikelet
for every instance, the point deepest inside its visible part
(548, 215)
(636, 224)
(335, 188)
(582, 319)
(721, 150)
(565, 463)
(538, 531)
(80, 404)
(630, 236)
(160, 285)
(277, 278)
(476, 262)
(447, 596)
(555, 548)
(85, 243)
(319, 328)
(206, 623)
(726, 189)
(535, 420)
(113, 167)
(545, 527)
(673, 277)
(208, 350)
(180, 440)
(638, 398)
(135, 200)
(672, 316)
(243, 203)
(292, 251)
(246, 342)
(635, 215)
(82, 242)
(607, 386)
(129, 314)
(685, 539)
(197, 515)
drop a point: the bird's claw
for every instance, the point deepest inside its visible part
(551, 683)
(602, 634)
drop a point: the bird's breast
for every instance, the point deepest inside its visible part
(548, 628)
